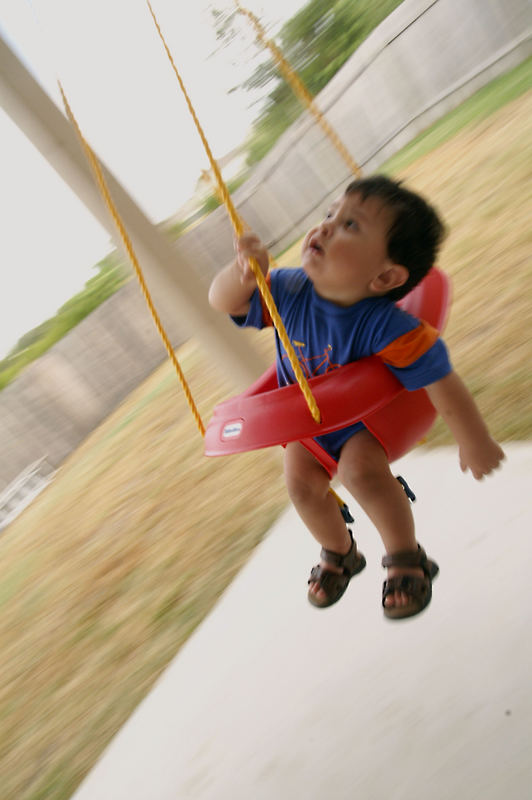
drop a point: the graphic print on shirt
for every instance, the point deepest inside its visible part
(313, 365)
(326, 336)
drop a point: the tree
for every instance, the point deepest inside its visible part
(317, 41)
(111, 275)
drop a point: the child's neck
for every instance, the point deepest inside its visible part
(344, 300)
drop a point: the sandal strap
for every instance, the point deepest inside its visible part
(409, 584)
(406, 558)
(337, 559)
(330, 582)
(418, 589)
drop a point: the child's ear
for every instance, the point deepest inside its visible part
(391, 277)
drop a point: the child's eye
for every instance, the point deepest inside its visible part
(351, 224)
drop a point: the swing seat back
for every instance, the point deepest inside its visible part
(410, 415)
(265, 415)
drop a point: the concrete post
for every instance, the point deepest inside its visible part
(176, 288)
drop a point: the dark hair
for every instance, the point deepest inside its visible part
(416, 232)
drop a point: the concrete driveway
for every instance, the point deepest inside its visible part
(272, 698)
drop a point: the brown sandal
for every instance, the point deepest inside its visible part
(334, 584)
(419, 589)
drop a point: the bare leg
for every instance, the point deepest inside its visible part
(364, 470)
(308, 486)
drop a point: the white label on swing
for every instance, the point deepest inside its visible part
(233, 429)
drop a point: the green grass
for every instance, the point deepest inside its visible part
(478, 107)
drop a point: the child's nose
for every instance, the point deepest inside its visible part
(327, 226)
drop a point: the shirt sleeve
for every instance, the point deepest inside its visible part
(433, 365)
(418, 357)
(282, 282)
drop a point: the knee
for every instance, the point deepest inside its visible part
(303, 488)
(362, 471)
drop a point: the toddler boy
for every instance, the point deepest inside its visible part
(376, 243)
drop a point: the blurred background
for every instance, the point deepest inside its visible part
(104, 575)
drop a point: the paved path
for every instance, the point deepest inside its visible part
(272, 698)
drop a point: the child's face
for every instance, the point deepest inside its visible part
(346, 253)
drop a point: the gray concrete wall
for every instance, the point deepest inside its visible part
(59, 399)
(423, 60)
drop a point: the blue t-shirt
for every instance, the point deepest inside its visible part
(326, 336)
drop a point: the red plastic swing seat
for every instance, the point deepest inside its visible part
(265, 415)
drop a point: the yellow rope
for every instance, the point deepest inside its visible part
(302, 92)
(300, 89)
(239, 228)
(100, 180)
(206, 175)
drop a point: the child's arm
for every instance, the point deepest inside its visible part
(232, 288)
(477, 450)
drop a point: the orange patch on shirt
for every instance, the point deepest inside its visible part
(410, 346)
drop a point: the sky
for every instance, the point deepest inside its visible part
(125, 97)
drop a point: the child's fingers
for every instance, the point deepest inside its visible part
(249, 239)
(244, 266)
(249, 244)
(480, 470)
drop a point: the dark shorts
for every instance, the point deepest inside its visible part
(333, 442)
